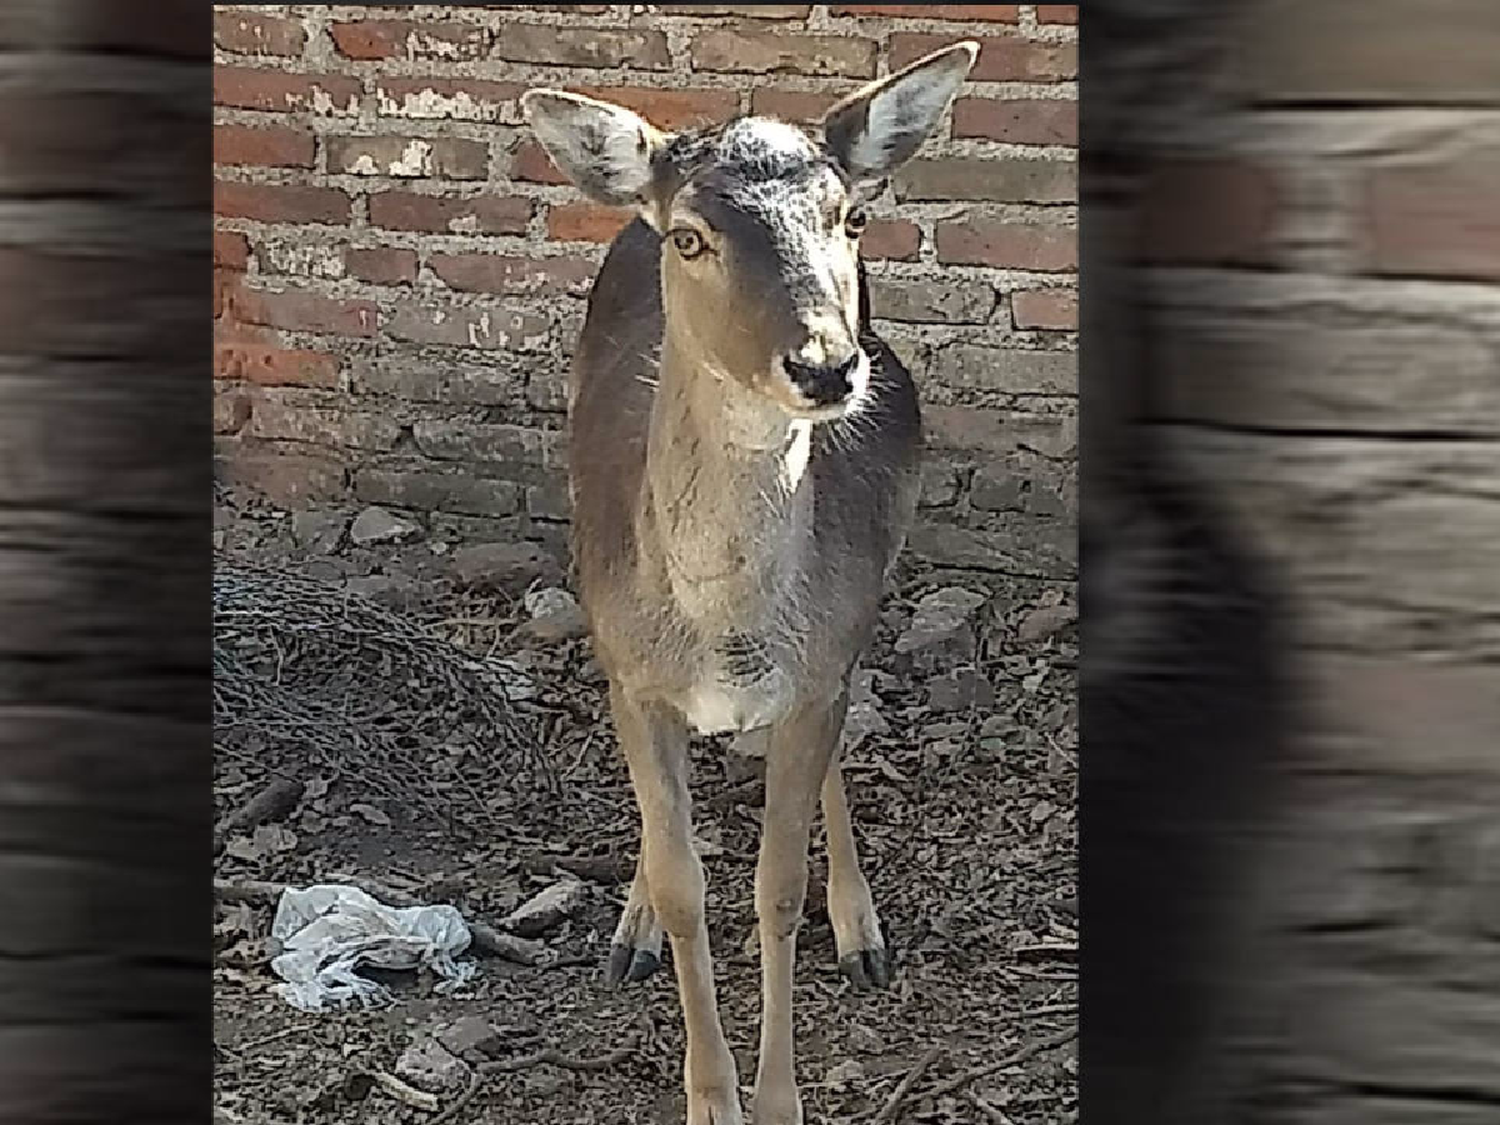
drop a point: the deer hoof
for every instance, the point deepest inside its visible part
(629, 965)
(867, 968)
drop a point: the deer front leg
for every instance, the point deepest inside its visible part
(851, 908)
(796, 764)
(655, 742)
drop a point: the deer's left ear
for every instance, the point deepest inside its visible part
(880, 127)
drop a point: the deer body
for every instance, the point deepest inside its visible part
(743, 468)
(728, 582)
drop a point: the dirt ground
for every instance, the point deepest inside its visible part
(964, 808)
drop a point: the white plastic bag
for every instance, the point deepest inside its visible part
(322, 935)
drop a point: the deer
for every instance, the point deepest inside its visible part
(743, 466)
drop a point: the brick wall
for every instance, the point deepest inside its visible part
(400, 272)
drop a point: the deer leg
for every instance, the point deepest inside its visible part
(636, 951)
(851, 909)
(655, 742)
(796, 763)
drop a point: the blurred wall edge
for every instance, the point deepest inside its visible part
(1291, 562)
(105, 473)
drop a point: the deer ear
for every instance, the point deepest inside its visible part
(880, 127)
(606, 150)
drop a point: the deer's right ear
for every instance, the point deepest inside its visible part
(606, 150)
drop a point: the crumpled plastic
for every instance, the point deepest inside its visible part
(323, 935)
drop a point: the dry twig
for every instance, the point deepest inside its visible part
(408, 1095)
(1016, 1059)
(306, 670)
(607, 869)
(892, 1106)
(549, 1057)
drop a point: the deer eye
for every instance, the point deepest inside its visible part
(855, 222)
(688, 242)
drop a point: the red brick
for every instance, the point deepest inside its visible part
(381, 265)
(1052, 309)
(1001, 59)
(1434, 220)
(436, 214)
(531, 162)
(1057, 13)
(494, 273)
(1047, 249)
(455, 99)
(280, 203)
(242, 33)
(1029, 121)
(268, 365)
(290, 479)
(272, 147)
(791, 105)
(276, 90)
(896, 239)
(582, 46)
(748, 11)
(300, 311)
(1207, 212)
(449, 157)
(743, 51)
(586, 222)
(669, 109)
(231, 250)
(408, 39)
(993, 13)
(231, 410)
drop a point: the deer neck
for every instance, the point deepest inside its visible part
(728, 500)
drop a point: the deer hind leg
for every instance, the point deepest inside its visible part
(797, 761)
(863, 957)
(655, 742)
(636, 950)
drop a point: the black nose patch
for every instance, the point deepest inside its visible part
(824, 384)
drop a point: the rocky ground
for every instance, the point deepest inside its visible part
(962, 763)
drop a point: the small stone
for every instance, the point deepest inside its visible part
(555, 616)
(547, 910)
(318, 531)
(941, 626)
(540, 603)
(469, 1034)
(429, 1066)
(376, 525)
(850, 1070)
(997, 725)
(1042, 623)
(958, 691)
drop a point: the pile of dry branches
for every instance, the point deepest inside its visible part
(309, 677)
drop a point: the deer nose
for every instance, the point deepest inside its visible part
(824, 384)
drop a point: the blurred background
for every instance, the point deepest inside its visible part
(1291, 531)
